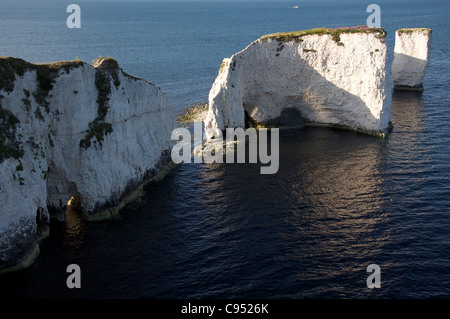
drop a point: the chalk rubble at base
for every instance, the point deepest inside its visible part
(411, 53)
(70, 129)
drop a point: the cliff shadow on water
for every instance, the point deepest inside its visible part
(408, 119)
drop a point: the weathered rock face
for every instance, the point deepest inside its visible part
(412, 48)
(67, 130)
(331, 76)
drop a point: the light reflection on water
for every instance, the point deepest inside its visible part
(314, 219)
(73, 234)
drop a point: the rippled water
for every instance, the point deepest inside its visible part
(340, 201)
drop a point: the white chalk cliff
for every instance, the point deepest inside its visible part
(70, 129)
(411, 52)
(335, 77)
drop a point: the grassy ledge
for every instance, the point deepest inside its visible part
(297, 36)
(414, 30)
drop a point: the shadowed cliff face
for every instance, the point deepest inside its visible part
(266, 100)
(408, 72)
(290, 118)
(344, 83)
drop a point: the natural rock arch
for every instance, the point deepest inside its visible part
(332, 76)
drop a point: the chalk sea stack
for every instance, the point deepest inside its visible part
(337, 77)
(411, 52)
(73, 132)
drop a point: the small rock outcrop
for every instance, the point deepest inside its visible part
(412, 48)
(78, 134)
(336, 77)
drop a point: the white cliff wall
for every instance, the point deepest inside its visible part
(331, 78)
(411, 52)
(73, 130)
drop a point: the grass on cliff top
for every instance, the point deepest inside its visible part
(411, 30)
(335, 33)
(53, 65)
(46, 72)
(108, 61)
(112, 64)
(66, 65)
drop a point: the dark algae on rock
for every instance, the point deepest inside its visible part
(106, 69)
(10, 145)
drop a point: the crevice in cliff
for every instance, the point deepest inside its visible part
(105, 69)
(42, 223)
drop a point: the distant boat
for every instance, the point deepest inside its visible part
(295, 7)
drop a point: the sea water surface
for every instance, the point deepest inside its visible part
(339, 202)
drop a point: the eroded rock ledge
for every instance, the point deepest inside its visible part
(335, 77)
(73, 130)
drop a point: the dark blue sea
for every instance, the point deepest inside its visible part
(339, 202)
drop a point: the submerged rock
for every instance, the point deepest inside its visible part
(335, 77)
(412, 47)
(70, 131)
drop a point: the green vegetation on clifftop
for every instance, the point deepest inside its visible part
(335, 33)
(411, 30)
(46, 74)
